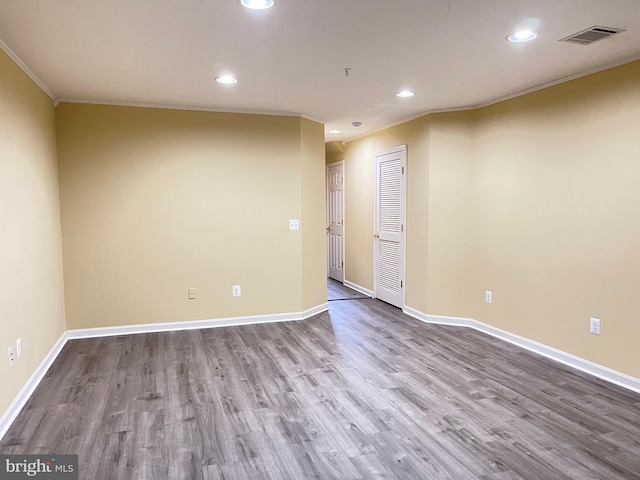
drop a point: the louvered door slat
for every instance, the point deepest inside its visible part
(389, 188)
(389, 265)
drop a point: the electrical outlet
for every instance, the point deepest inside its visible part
(236, 291)
(18, 348)
(192, 294)
(10, 356)
(488, 296)
(294, 224)
(594, 326)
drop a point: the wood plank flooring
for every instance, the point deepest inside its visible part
(359, 392)
(338, 291)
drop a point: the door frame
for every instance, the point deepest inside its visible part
(326, 176)
(403, 219)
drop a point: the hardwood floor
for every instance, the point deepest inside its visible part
(338, 291)
(361, 391)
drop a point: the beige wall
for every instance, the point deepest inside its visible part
(32, 301)
(536, 199)
(334, 152)
(450, 268)
(439, 155)
(314, 253)
(556, 216)
(359, 192)
(157, 201)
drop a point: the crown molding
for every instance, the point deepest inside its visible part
(504, 98)
(488, 103)
(188, 108)
(193, 108)
(12, 55)
(557, 81)
(313, 119)
(408, 119)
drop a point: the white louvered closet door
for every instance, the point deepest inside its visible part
(390, 208)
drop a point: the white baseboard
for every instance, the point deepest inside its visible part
(26, 392)
(358, 288)
(578, 363)
(29, 387)
(194, 324)
(438, 319)
(586, 366)
(310, 312)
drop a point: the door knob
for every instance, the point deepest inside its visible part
(328, 229)
(376, 235)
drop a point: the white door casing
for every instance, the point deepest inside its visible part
(335, 221)
(389, 225)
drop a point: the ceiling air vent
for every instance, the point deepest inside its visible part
(593, 34)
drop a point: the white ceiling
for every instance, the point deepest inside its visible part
(290, 59)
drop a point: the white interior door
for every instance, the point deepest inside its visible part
(389, 225)
(335, 221)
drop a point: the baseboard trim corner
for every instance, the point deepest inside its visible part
(194, 324)
(438, 319)
(586, 366)
(313, 311)
(23, 396)
(358, 288)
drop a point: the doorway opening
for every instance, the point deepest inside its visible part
(335, 221)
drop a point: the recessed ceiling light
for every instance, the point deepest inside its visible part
(522, 36)
(257, 4)
(226, 79)
(405, 94)
(334, 131)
